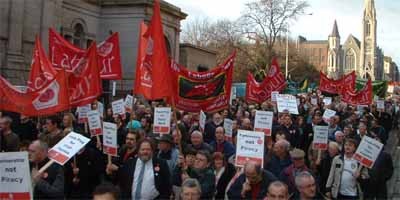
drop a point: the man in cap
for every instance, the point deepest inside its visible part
(167, 151)
(298, 165)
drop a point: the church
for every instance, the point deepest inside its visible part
(363, 56)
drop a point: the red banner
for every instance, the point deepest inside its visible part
(41, 69)
(48, 100)
(65, 55)
(143, 80)
(335, 86)
(362, 97)
(84, 81)
(260, 92)
(207, 91)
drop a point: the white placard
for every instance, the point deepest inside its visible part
(202, 120)
(128, 102)
(376, 98)
(15, 181)
(82, 113)
(380, 104)
(162, 120)
(314, 101)
(94, 122)
(228, 125)
(390, 89)
(368, 151)
(249, 147)
(274, 94)
(328, 113)
(233, 94)
(110, 145)
(287, 103)
(320, 140)
(263, 122)
(118, 107)
(114, 87)
(327, 100)
(100, 108)
(67, 147)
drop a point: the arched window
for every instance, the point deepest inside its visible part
(79, 35)
(350, 60)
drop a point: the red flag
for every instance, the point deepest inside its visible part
(362, 97)
(156, 57)
(336, 86)
(260, 92)
(84, 81)
(207, 91)
(65, 55)
(143, 80)
(48, 100)
(41, 69)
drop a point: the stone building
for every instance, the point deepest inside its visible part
(335, 59)
(81, 22)
(192, 56)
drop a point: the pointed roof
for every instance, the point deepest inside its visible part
(369, 4)
(335, 31)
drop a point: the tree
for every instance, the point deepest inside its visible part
(264, 21)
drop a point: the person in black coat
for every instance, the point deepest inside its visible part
(157, 168)
(209, 128)
(224, 172)
(292, 133)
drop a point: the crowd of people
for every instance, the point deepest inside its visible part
(192, 163)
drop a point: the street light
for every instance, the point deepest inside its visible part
(287, 48)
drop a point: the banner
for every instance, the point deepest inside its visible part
(42, 72)
(228, 126)
(263, 122)
(320, 140)
(379, 88)
(287, 102)
(362, 97)
(15, 182)
(162, 120)
(368, 151)
(110, 139)
(94, 122)
(249, 147)
(208, 91)
(65, 55)
(260, 92)
(335, 86)
(67, 147)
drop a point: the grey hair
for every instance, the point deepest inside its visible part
(279, 184)
(284, 143)
(42, 145)
(300, 176)
(7, 119)
(198, 133)
(191, 183)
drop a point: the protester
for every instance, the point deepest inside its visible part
(167, 151)
(280, 158)
(9, 140)
(106, 192)
(292, 133)
(220, 144)
(209, 129)
(50, 183)
(252, 184)
(298, 165)
(324, 166)
(191, 189)
(51, 134)
(306, 187)
(26, 129)
(197, 142)
(224, 171)
(277, 191)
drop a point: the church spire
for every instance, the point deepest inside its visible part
(335, 31)
(369, 8)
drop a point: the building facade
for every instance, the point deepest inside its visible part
(80, 22)
(363, 56)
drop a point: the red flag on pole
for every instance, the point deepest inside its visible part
(336, 86)
(143, 79)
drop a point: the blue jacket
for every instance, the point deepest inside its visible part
(276, 166)
(229, 149)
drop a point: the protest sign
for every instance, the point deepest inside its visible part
(327, 100)
(314, 101)
(202, 120)
(67, 147)
(110, 138)
(82, 113)
(233, 94)
(94, 122)
(368, 151)
(328, 114)
(249, 147)
(287, 103)
(100, 108)
(274, 94)
(15, 180)
(263, 122)
(228, 125)
(380, 104)
(162, 120)
(118, 107)
(128, 102)
(320, 140)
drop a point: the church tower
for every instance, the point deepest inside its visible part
(333, 67)
(368, 67)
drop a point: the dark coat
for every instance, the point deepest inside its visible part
(51, 187)
(235, 190)
(276, 166)
(161, 178)
(228, 151)
(292, 135)
(209, 131)
(224, 181)
(205, 177)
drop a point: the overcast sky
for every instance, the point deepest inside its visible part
(317, 26)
